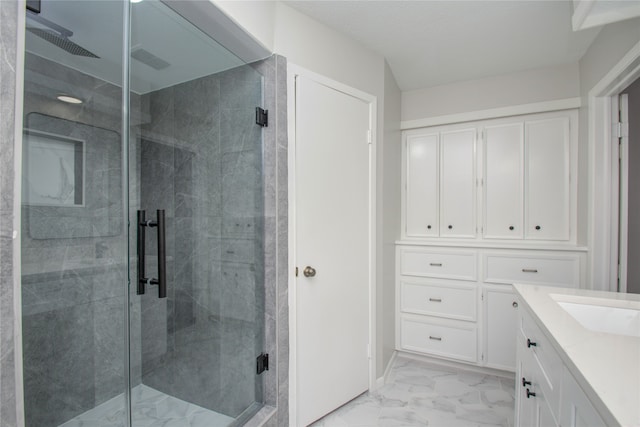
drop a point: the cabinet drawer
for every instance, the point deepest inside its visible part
(456, 341)
(547, 361)
(459, 265)
(549, 271)
(455, 302)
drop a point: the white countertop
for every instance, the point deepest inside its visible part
(605, 365)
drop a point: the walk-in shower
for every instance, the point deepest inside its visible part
(142, 220)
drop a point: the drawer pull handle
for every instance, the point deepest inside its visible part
(511, 227)
(538, 227)
(435, 338)
(531, 343)
(525, 382)
(514, 304)
(450, 227)
(435, 299)
(529, 270)
(529, 394)
(428, 227)
(436, 264)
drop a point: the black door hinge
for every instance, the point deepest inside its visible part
(262, 363)
(34, 6)
(262, 117)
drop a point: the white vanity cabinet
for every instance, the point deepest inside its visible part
(546, 392)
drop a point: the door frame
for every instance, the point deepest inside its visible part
(603, 188)
(294, 71)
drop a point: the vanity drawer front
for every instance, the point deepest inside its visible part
(547, 359)
(542, 270)
(446, 265)
(452, 340)
(451, 301)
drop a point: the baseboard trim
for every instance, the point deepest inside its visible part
(456, 365)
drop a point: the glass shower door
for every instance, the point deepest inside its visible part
(196, 225)
(73, 233)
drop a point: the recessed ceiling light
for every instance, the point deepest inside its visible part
(69, 99)
(136, 1)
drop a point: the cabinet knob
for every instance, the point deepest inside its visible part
(538, 227)
(428, 227)
(450, 227)
(525, 382)
(511, 227)
(531, 343)
(530, 394)
(515, 304)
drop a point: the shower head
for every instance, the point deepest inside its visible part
(58, 35)
(62, 42)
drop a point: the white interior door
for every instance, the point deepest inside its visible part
(332, 236)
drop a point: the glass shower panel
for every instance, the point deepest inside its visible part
(196, 159)
(74, 259)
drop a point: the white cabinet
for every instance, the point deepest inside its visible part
(458, 302)
(422, 164)
(440, 183)
(519, 189)
(547, 190)
(500, 308)
(546, 392)
(577, 410)
(503, 181)
(532, 405)
(458, 183)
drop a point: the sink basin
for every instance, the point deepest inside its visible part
(602, 318)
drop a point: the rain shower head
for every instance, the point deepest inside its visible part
(59, 36)
(62, 42)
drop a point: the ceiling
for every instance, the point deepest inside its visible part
(430, 43)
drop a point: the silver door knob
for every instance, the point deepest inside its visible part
(309, 271)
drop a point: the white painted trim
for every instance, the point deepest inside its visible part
(581, 11)
(293, 71)
(622, 110)
(515, 110)
(463, 366)
(17, 208)
(387, 370)
(601, 238)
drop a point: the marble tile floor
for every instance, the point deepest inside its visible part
(418, 393)
(151, 408)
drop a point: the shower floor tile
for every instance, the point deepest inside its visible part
(151, 408)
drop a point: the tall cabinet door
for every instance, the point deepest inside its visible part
(458, 183)
(547, 200)
(422, 185)
(503, 181)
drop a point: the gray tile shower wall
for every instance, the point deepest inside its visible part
(8, 66)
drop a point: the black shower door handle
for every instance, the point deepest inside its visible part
(143, 280)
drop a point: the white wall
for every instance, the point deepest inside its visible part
(256, 17)
(390, 171)
(544, 84)
(612, 43)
